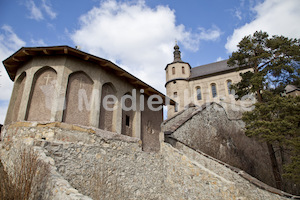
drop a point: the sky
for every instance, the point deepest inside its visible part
(139, 35)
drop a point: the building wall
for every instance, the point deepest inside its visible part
(294, 93)
(151, 122)
(221, 86)
(179, 91)
(186, 91)
(106, 165)
(68, 89)
(16, 99)
(177, 70)
(177, 86)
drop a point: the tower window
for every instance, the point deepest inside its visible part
(199, 96)
(175, 94)
(229, 83)
(183, 72)
(173, 70)
(127, 120)
(214, 90)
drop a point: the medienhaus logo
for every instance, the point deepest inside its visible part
(136, 101)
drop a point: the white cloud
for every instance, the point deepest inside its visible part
(219, 59)
(48, 9)
(276, 17)
(39, 42)
(137, 37)
(238, 14)
(211, 34)
(36, 12)
(9, 43)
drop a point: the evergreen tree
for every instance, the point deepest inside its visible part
(277, 122)
(275, 63)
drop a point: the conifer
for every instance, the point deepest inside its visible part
(275, 63)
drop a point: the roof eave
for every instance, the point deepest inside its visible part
(177, 62)
(24, 54)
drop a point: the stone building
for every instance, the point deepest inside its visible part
(63, 84)
(292, 90)
(70, 107)
(199, 85)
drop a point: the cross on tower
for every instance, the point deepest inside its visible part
(47, 78)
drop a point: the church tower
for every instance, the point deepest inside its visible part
(177, 84)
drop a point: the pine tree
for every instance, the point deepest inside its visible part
(277, 122)
(275, 63)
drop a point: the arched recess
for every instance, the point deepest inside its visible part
(150, 126)
(16, 99)
(42, 95)
(127, 114)
(78, 99)
(108, 98)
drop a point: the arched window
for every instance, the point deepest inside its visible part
(176, 107)
(214, 90)
(175, 94)
(198, 90)
(229, 83)
(183, 72)
(173, 70)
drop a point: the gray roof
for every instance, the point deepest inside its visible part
(211, 69)
(291, 88)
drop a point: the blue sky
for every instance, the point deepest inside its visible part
(139, 35)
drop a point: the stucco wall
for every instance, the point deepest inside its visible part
(105, 165)
(187, 91)
(221, 85)
(69, 89)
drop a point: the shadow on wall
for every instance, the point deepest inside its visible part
(0, 130)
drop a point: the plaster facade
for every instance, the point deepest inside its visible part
(62, 84)
(200, 85)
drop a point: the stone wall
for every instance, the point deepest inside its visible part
(219, 133)
(209, 130)
(93, 163)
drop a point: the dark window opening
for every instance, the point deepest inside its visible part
(127, 120)
(176, 107)
(214, 90)
(175, 94)
(183, 72)
(173, 70)
(199, 97)
(229, 83)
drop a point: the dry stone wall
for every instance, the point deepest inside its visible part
(95, 164)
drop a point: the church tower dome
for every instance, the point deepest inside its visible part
(177, 54)
(177, 84)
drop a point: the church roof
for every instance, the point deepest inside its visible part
(291, 88)
(211, 69)
(15, 61)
